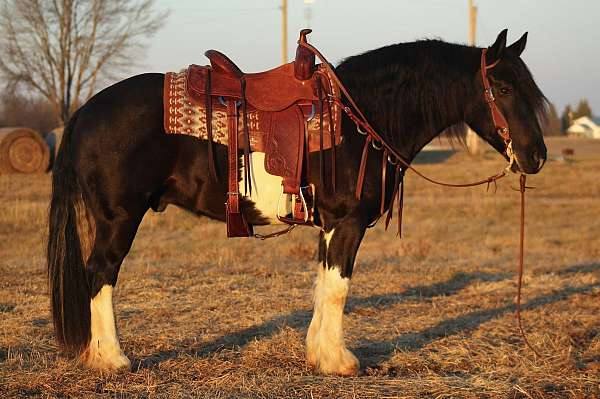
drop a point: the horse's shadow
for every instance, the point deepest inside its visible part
(375, 352)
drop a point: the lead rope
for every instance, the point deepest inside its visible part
(522, 188)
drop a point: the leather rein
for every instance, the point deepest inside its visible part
(392, 156)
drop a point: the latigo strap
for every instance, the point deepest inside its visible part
(236, 223)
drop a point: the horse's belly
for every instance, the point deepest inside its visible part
(266, 190)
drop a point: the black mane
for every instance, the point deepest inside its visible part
(423, 83)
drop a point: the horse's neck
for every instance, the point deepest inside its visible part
(409, 119)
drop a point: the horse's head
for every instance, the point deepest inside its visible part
(516, 98)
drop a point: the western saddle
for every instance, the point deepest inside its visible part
(278, 103)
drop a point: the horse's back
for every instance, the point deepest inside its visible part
(127, 109)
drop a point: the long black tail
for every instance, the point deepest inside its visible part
(69, 290)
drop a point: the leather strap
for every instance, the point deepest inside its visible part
(400, 208)
(236, 223)
(332, 138)
(321, 120)
(306, 152)
(247, 173)
(209, 132)
(399, 192)
(233, 193)
(396, 188)
(362, 167)
(384, 165)
(500, 122)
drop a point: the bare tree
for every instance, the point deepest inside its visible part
(64, 48)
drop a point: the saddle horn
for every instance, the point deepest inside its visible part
(304, 65)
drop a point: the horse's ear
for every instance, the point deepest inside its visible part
(495, 50)
(517, 47)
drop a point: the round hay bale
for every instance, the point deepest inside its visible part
(22, 150)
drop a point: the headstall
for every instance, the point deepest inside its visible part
(498, 119)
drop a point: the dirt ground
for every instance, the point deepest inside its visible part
(430, 315)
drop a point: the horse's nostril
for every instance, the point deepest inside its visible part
(538, 158)
(535, 157)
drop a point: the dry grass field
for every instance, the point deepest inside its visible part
(430, 315)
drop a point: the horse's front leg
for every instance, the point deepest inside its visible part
(325, 347)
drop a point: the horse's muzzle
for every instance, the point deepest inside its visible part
(533, 162)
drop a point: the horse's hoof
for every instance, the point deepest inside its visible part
(342, 363)
(350, 371)
(122, 363)
(116, 362)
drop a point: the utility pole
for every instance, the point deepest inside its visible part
(284, 51)
(472, 22)
(307, 12)
(474, 142)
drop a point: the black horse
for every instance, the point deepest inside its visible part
(116, 162)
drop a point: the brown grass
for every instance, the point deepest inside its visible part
(430, 315)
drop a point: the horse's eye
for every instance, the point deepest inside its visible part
(505, 91)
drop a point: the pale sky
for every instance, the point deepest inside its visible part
(563, 49)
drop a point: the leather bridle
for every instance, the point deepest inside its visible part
(499, 121)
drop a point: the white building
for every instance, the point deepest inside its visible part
(584, 127)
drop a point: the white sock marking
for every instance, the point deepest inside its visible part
(325, 340)
(104, 351)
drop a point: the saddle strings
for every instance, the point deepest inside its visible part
(209, 132)
(363, 123)
(332, 139)
(247, 172)
(320, 95)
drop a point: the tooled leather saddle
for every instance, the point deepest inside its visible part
(285, 112)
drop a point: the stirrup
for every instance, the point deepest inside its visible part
(293, 219)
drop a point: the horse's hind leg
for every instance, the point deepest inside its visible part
(325, 347)
(112, 243)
